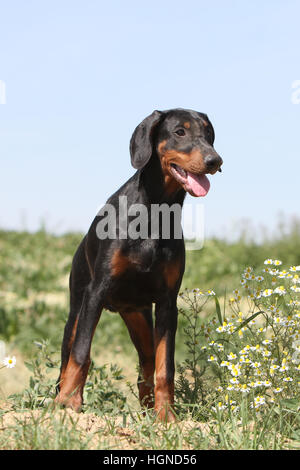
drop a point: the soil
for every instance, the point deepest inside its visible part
(109, 431)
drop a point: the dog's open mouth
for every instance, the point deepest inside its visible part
(196, 185)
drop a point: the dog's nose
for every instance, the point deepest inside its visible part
(213, 162)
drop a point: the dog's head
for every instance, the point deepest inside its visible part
(183, 141)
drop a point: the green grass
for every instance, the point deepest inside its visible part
(34, 270)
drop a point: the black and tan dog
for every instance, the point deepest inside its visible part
(172, 152)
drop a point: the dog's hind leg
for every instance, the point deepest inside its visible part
(140, 327)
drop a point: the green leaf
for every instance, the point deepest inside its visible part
(247, 321)
(30, 366)
(296, 435)
(218, 310)
(290, 403)
(31, 383)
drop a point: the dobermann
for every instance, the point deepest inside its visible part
(172, 151)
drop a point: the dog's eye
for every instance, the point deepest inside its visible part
(180, 132)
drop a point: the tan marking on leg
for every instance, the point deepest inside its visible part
(164, 391)
(73, 334)
(70, 343)
(142, 336)
(72, 383)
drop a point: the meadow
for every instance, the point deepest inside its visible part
(237, 350)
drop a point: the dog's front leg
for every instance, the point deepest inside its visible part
(74, 378)
(165, 331)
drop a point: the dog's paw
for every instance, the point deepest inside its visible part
(165, 414)
(74, 402)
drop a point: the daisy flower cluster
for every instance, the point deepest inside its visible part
(253, 348)
(261, 335)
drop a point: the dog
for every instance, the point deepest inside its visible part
(172, 152)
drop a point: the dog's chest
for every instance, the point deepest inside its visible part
(146, 257)
(140, 276)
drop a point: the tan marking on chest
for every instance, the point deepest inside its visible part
(119, 263)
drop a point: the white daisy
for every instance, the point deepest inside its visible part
(9, 362)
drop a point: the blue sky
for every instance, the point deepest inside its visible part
(81, 75)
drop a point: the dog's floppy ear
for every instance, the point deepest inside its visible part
(141, 140)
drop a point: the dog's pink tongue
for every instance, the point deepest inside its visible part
(197, 185)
